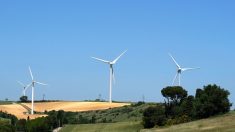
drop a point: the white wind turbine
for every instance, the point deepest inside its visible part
(33, 86)
(25, 87)
(180, 70)
(111, 78)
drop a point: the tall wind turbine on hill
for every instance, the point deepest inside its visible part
(179, 70)
(33, 86)
(111, 78)
(25, 87)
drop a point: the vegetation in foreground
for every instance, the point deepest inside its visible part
(221, 123)
(178, 108)
(181, 108)
(55, 119)
(104, 127)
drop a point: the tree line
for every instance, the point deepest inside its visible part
(179, 107)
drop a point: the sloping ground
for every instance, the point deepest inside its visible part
(223, 123)
(18, 110)
(74, 106)
(104, 127)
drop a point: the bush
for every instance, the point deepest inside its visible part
(178, 120)
(211, 100)
(154, 115)
(7, 128)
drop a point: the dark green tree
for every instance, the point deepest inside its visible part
(174, 96)
(23, 98)
(154, 115)
(188, 106)
(211, 100)
(21, 125)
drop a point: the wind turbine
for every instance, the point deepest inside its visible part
(180, 70)
(111, 78)
(25, 87)
(33, 86)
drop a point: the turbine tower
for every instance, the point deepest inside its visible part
(111, 78)
(33, 86)
(179, 71)
(25, 87)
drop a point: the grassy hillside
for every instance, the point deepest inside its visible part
(222, 123)
(132, 112)
(104, 127)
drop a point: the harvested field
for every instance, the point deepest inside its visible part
(74, 106)
(20, 111)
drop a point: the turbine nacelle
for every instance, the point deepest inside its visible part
(179, 70)
(112, 77)
(33, 85)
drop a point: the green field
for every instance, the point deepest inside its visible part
(5, 102)
(222, 123)
(104, 127)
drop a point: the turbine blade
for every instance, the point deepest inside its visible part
(40, 83)
(28, 86)
(31, 74)
(119, 57)
(21, 83)
(105, 61)
(187, 69)
(174, 60)
(174, 79)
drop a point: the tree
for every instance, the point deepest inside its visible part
(188, 106)
(211, 100)
(24, 99)
(21, 125)
(174, 93)
(154, 115)
(175, 96)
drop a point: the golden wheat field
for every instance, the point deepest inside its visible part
(19, 111)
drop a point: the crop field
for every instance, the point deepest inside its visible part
(19, 111)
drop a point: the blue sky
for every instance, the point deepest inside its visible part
(57, 38)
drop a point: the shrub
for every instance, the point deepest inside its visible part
(154, 115)
(211, 100)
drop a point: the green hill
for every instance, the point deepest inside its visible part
(222, 123)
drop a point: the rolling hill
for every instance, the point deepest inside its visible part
(21, 112)
(221, 123)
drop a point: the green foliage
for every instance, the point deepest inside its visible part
(7, 122)
(178, 120)
(211, 100)
(24, 99)
(187, 106)
(132, 112)
(7, 128)
(104, 127)
(13, 119)
(38, 125)
(180, 108)
(21, 125)
(154, 115)
(174, 94)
